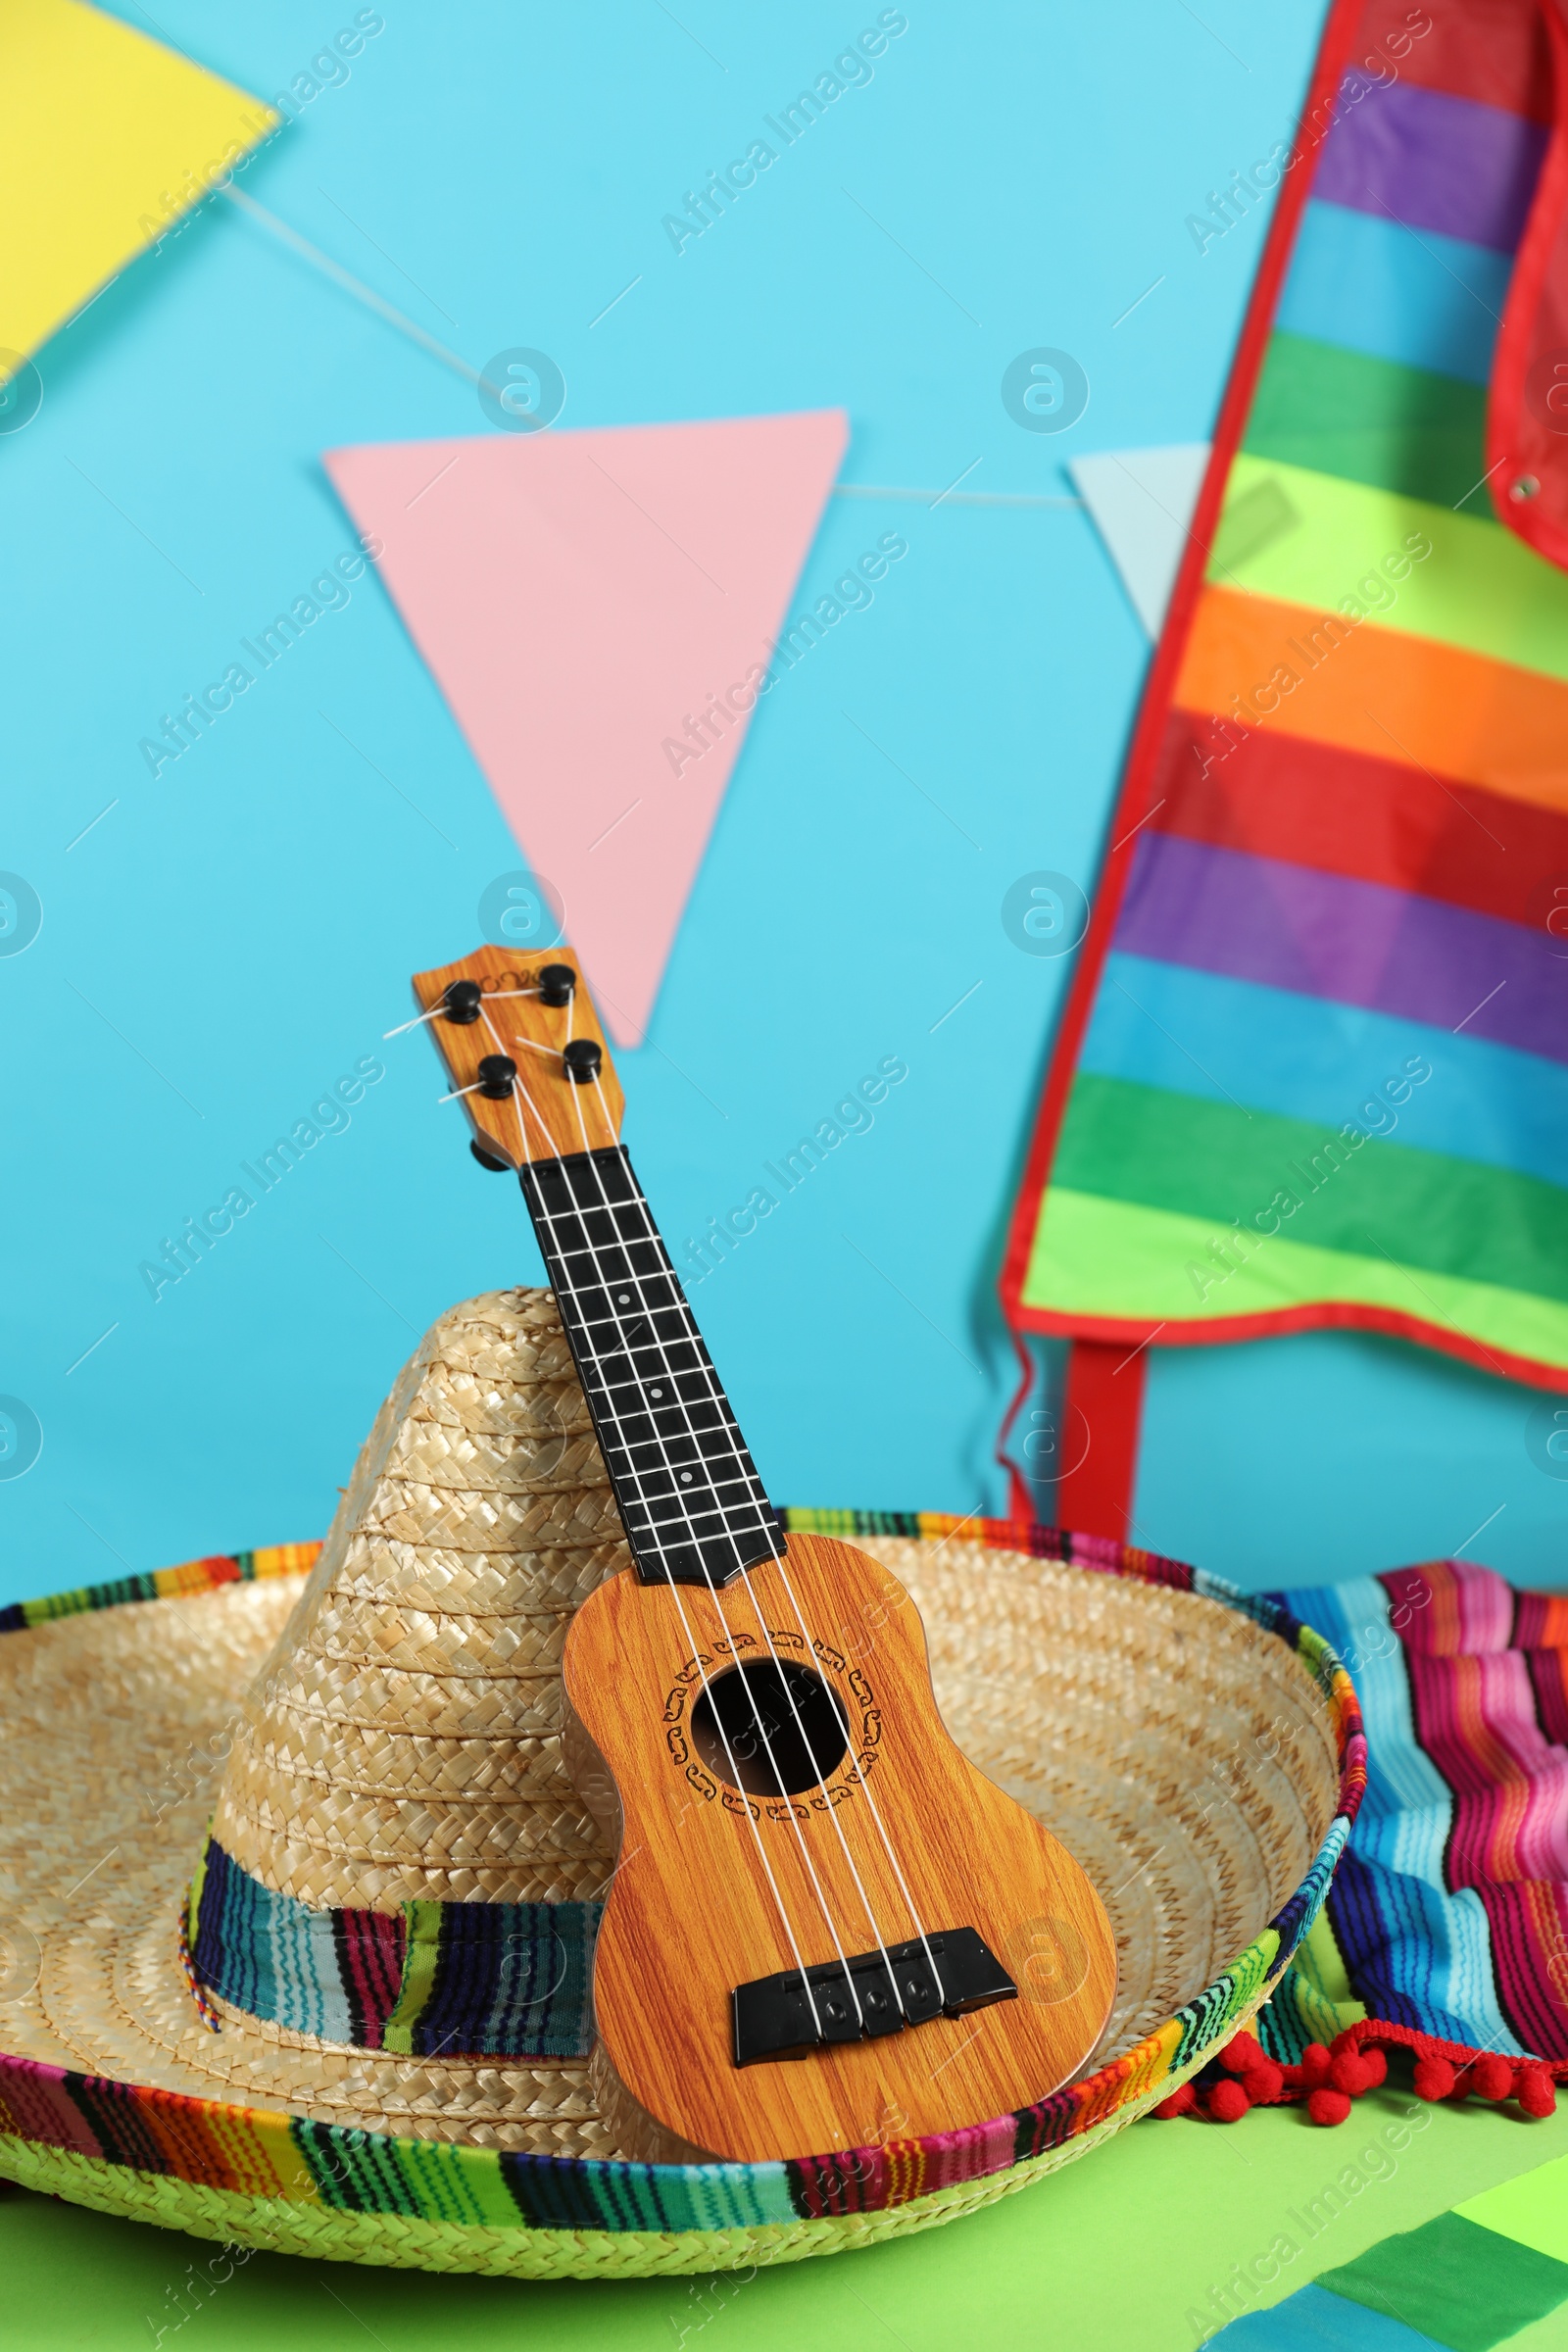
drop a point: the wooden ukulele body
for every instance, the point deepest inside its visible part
(692, 1913)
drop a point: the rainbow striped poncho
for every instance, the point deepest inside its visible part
(1314, 1069)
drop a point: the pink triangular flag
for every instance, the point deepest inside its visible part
(581, 598)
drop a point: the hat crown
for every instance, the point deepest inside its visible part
(403, 1741)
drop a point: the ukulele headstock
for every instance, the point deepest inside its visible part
(525, 1051)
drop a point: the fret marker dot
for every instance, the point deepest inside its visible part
(685, 1478)
(655, 1391)
(623, 1297)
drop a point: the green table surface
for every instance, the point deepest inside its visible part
(1117, 2250)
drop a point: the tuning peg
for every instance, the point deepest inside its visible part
(461, 1000)
(488, 1159)
(557, 981)
(582, 1058)
(497, 1073)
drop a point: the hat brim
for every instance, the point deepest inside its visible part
(116, 2093)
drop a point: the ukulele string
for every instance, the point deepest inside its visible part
(832, 1810)
(686, 1627)
(876, 1816)
(719, 1610)
(603, 1111)
(437, 1010)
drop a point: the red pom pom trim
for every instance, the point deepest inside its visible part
(1435, 2079)
(1264, 2082)
(1537, 2094)
(1240, 2054)
(1492, 2077)
(1183, 2099)
(1327, 2081)
(1227, 2102)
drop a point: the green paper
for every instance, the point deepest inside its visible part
(1534, 2209)
(1462, 2286)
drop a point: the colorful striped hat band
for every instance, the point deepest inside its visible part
(477, 1979)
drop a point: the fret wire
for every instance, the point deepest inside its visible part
(748, 1503)
(712, 1455)
(682, 1496)
(590, 1325)
(706, 1460)
(623, 1322)
(612, 1412)
(588, 1209)
(711, 1509)
(686, 1337)
(729, 1454)
(672, 1538)
(677, 1549)
(745, 1507)
(668, 1541)
(706, 1494)
(689, 1332)
(667, 1552)
(598, 1278)
(736, 1469)
(756, 1502)
(555, 1216)
(714, 1452)
(671, 1535)
(702, 1501)
(619, 1416)
(709, 1401)
(711, 1487)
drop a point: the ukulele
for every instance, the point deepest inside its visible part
(827, 1927)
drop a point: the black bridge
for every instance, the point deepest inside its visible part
(773, 2016)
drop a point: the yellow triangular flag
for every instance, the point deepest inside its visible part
(107, 139)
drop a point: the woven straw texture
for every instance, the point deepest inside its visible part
(403, 1741)
(389, 1730)
(415, 2242)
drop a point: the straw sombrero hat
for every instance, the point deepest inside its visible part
(279, 1849)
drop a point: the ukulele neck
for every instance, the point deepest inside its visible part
(689, 1495)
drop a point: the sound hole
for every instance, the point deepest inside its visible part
(754, 1709)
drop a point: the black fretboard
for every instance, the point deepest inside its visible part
(689, 1495)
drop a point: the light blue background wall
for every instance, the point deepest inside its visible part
(230, 939)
